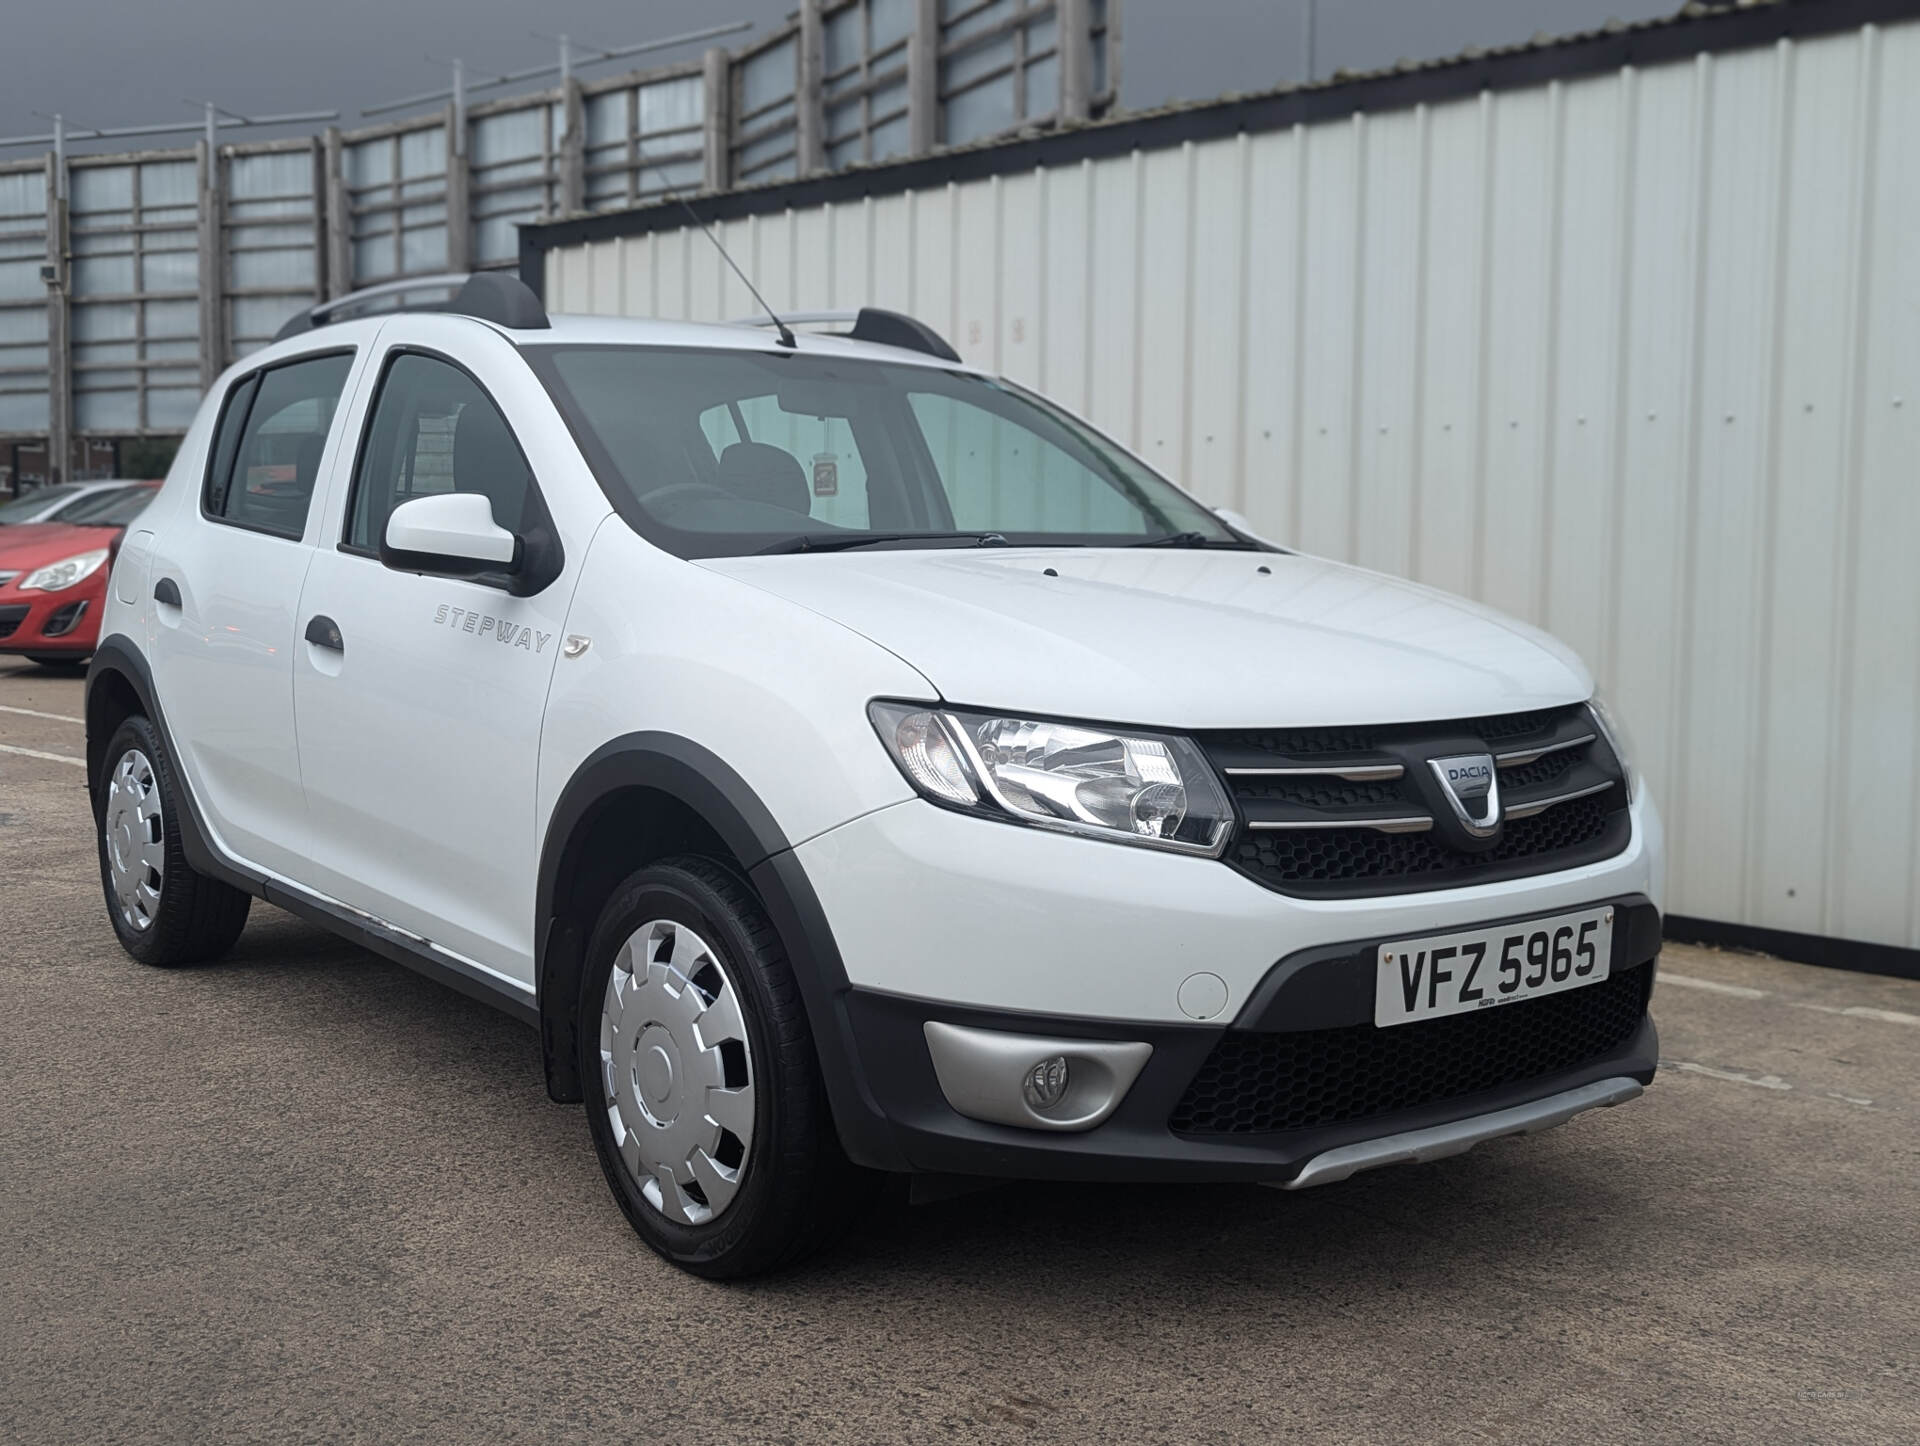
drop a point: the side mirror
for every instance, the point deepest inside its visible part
(452, 533)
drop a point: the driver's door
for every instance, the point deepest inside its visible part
(419, 698)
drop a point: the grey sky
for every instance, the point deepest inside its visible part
(124, 62)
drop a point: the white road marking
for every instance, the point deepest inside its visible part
(36, 753)
(1741, 991)
(36, 713)
(1687, 981)
(1861, 1011)
(1732, 1076)
(1850, 1099)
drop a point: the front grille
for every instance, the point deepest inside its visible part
(1255, 1084)
(1339, 812)
(10, 619)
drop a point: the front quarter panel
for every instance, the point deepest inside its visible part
(774, 691)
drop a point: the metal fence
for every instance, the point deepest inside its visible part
(128, 282)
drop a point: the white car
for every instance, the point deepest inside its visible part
(857, 766)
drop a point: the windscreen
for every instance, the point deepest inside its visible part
(110, 509)
(725, 452)
(30, 505)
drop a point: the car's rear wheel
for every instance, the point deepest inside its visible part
(163, 912)
(703, 1091)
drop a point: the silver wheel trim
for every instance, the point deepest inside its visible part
(133, 830)
(676, 1072)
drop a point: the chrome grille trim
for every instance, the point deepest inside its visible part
(1541, 805)
(1528, 755)
(1357, 773)
(1410, 823)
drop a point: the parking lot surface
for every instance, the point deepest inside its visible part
(304, 1194)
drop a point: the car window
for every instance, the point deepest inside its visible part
(1001, 475)
(84, 506)
(29, 505)
(823, 449)
(719, 452)
(115, 507)
(434, 430)
(273, 432)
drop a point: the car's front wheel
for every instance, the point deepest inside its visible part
(163, 912)
(703, 1092)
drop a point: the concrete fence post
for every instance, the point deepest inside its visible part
(573, 150)
(923, 78)
(459, 189)
(213, 343)
(810, 121)
(716, 131)
(336, 219)
(59, 332)
(1073, 30)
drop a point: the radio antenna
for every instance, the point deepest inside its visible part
(779, 326)
(673, 194)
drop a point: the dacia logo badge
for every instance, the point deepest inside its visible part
(1469, 783)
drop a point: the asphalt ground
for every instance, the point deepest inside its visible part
(304, 1194)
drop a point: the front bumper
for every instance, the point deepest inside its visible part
(49, 622)
(1316, 992)
(931, 904)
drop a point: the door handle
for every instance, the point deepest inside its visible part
(167, 591)
(324, 632)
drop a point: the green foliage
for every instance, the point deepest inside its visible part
(145, 457)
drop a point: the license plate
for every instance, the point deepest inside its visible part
(1485, 968)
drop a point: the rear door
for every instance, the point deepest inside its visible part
(225, 580)
(420, 698)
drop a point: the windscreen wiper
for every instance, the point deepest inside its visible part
(811, 543)
(1190, 539)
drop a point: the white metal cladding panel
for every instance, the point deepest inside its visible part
(1636, 357)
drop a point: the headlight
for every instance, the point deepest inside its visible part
(64, 573)
(1132, 787)
(1615, 732)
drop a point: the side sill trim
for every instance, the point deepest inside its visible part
(1439, 1141)
(404, 949)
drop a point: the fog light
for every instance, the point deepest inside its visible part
(1046, 1083)
(1029, 1081)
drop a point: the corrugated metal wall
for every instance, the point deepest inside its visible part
(1636, 357)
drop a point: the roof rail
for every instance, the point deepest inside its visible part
(494, 296)
(868, 323)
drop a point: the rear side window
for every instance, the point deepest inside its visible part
(434, 430)
(266, 454)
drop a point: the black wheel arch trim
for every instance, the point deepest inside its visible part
(117, 656)
(705, 784)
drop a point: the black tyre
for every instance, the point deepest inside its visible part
(164, 912)
(60, 662)
(703, 1090)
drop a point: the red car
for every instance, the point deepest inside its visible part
(53, 576)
